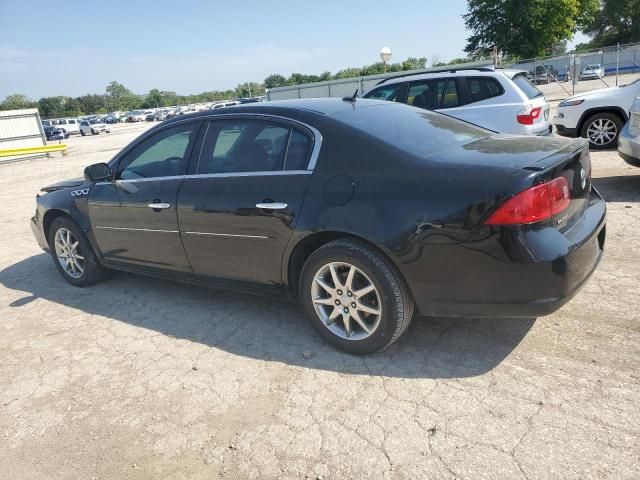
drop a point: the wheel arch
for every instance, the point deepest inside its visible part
(310, 243)
(49, 217)
(609, 109)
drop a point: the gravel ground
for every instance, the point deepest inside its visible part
(141, 378)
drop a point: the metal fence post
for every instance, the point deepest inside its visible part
(617, 62)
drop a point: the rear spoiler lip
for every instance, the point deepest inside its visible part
(559, 156)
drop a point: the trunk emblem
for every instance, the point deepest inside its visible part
(583, 178)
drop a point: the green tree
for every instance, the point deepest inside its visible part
(275, 80)
(154, 99)
(617, 21)
(524, 28)
(92, 103)
(51, 107)
(17, 101)
(119, 96)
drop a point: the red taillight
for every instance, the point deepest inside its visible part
(534, 204)
(528, 115)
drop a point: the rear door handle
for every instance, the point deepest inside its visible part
(272, 205)
(159, 205)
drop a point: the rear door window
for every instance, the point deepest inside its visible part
(434, 94)
(481, 88)
(526, 86)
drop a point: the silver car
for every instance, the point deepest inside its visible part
(629, 140)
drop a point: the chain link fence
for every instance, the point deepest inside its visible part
(558, 77)
(561, 76)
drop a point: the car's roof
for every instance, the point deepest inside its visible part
(453, 72)
(321, 106)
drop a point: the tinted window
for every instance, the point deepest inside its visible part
(161, 155)
(526, 86)
(244, 145)
(433, 94)
(72, 122)
(388, 92)
(481, 88)
(297, 151)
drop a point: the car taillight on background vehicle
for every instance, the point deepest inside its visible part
(534, 204)
(528, 115)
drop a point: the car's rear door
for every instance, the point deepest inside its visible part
(134, 217)
(439, 94)
(240, 202)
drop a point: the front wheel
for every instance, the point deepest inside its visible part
(72, 253)
(602, 130)
(354, 297)
(82, 133)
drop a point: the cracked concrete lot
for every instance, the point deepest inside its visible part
(139, 378)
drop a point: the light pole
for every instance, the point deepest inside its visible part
(385, 56)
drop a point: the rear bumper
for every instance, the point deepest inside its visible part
(516, 272)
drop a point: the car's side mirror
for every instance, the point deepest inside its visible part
(97, 172)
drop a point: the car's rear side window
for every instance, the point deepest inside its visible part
(434, 94)
(481, 88)
(523, 83)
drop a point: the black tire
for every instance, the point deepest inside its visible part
(396, 303)
(82, 133)
(93, 270)
(604, 116)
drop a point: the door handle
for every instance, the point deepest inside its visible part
(272, 205)
(159, 205)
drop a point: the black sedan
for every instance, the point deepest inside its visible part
(367, 212)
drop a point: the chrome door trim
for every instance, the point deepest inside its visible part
(272, 205)
(100, 227)
(232, 235)
(159, 205)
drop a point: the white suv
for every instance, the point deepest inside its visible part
(597, 115)
(504, 101)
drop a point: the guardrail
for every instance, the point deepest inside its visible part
(15, 152)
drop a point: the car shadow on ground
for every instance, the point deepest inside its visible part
(620, 188)
(269, 329)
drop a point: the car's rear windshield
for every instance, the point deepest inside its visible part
(526, 86)
(417, 131)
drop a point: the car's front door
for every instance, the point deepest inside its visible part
(133, 217)
(237, 209)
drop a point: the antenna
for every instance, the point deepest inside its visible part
(353, 98)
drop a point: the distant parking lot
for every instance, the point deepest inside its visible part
(141, 378)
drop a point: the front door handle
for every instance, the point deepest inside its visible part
(272, 205)
(159, 205)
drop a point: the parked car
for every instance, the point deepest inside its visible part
(136, 116)
(629, 141)
(93, 127)
(544, 74)
(592, 72)
(597, 115)
(366, 211)
(501, 100)
(110, 119)
(70, 125)
(55, 133)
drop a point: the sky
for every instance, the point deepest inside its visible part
(189, 46)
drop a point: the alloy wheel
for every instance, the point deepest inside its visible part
(68, 252)
(346, 300)
(602, 131)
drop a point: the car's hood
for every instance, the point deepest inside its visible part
(593, 93)
(75, 182)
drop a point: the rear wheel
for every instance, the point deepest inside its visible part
(72, 253)
(355, 299)
(602, 130)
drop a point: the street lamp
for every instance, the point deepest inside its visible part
(385, 56)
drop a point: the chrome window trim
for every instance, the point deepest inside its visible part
(136, 229)
(212, 175)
